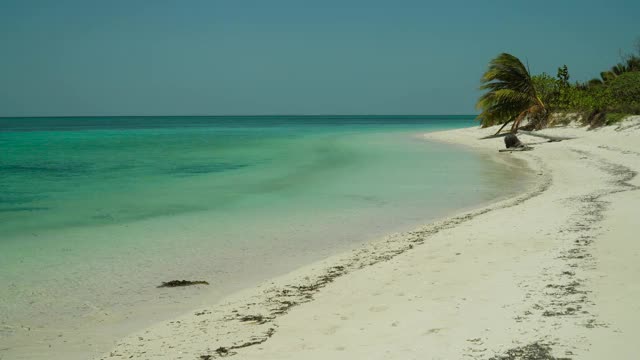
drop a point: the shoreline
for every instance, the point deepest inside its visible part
(262, 305)
(92, 328)
(532, 274)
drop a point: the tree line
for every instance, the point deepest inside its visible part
(514, 96)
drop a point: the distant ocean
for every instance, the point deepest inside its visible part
(96, 212)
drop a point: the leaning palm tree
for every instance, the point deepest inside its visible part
(510, 96)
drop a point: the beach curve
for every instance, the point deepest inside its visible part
(518, 276)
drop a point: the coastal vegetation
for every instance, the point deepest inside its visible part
(515, 96)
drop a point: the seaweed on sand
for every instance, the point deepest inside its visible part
(258, 319)
(177, 283)
(533, 351)
(228, 351)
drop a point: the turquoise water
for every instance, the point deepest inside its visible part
(52, 169)
(95, 212)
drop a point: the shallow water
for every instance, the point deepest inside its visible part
(95, 212)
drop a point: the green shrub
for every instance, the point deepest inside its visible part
(548, 88)
(612, 118)
(593, 98)
(625, 91)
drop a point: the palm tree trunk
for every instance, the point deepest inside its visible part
(502, 127)
(518, 120)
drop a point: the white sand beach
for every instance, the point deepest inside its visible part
(552, 272)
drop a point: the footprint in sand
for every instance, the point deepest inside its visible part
(432, 331)
(476, 341)
(331, 330)
(379, 308)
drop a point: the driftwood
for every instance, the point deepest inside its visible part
(529, 133)
(548, 137)
(176, 283)
(526, 148)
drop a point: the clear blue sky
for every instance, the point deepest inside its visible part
(159, 57)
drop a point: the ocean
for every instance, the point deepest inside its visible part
(96, 212)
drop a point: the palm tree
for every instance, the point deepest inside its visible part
(510, 96)
(633, 63)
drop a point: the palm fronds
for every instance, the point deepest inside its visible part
(510, 93)
(631, 64)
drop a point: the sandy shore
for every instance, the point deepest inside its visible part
(551, 273)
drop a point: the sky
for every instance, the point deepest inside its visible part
(241, 57)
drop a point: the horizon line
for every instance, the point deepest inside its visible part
(223, 115)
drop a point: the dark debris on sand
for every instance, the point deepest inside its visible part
(177, 283)
(533, 351)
